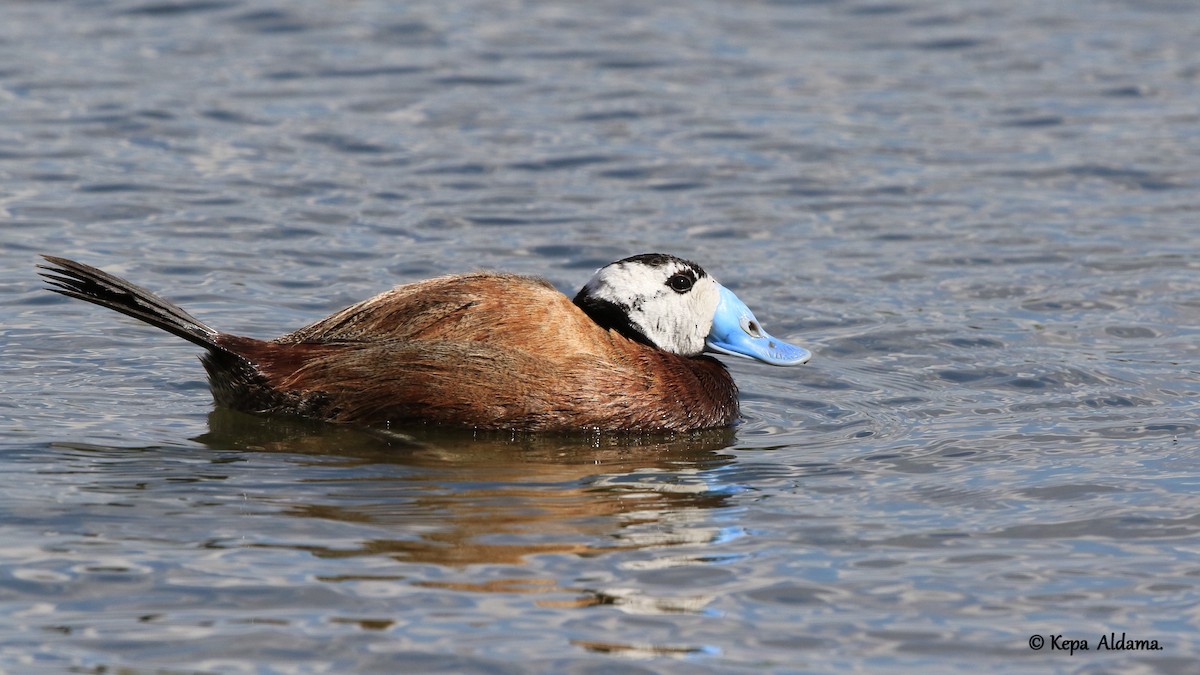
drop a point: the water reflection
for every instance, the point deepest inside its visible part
(455, 498)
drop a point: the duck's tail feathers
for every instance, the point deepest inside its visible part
(85, 282)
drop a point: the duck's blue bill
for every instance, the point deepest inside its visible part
(736, 332)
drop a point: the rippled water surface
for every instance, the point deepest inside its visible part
(981, 216)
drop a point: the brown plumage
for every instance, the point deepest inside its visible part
(489, 351)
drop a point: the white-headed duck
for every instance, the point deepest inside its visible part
(486, 350)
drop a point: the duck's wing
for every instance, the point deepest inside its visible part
(462, 307)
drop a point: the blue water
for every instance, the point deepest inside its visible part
(980, 216)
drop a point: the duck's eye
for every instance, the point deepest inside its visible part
(680, 283)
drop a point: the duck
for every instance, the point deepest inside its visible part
(633, 351)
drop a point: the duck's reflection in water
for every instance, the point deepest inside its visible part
(454, 498)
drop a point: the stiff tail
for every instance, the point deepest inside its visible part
(85, 282)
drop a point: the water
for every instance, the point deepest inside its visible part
(980, 216)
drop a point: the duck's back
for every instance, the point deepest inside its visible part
(467, 307)
(490, 351)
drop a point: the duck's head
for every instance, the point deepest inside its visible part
(674, 305)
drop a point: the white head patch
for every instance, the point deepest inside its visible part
(655, 298)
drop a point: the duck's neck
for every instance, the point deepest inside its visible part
(610, 316)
